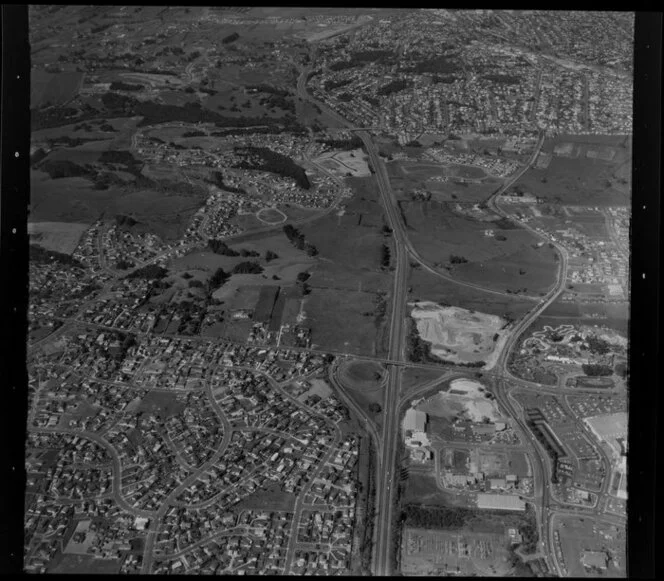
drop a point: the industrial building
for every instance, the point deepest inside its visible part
(500, 502)
(414, 421)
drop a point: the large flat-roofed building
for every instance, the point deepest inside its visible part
(500, 502)
(415, 420)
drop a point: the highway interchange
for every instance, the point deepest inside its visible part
(503, 381)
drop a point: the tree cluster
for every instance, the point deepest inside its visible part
(439, 64)
(343, 65)
(230, 38)
(120, 86)
(217, 280)
(149, 272)
(385, 256)
(248, 267)
(394, 87)
(454, 259)
(218, 180)
(353, 143)
(503, 79)
(597, 369)
(39, 254)
(297, 239)
(66, 169)
(220, 247)
(264, 88)
(329, 85)
(435, 517)
(264, 159)
(598, 346)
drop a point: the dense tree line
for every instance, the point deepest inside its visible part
(282, 102)
(378, 56)
(67, 141)
(120, 86)
(217, 280)
(374, 101)
(218, 180)
(438, 64)
(248, 267)
(66, 169)
(394, 87)
(230, 38)
(503, 79)
(120, 157)
(420, 350)
(435, 517)
(194, 133)
(122, 220)
(118, 105)
(264, 88)
(297, 239)
(385, 256)
(353, 143)
(264, 159)
(597, 369)
(220, 247)
(435, 79)
(343, 65)
(37, 156)
(39, 254)
(598, 346)
(329, 85)
(149, 272)
(123, 264)
(454, 259)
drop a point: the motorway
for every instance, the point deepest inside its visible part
(500, 373)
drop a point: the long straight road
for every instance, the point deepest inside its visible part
(386, 481)
(391, 433)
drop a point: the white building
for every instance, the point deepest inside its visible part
(414, 420)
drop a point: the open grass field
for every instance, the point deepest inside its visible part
(162, 403)
(271, 216)
(406, 176)
(53, 88)
(295, 212)
(578, 535)
(584, 170)
(343, 240)
(500, 256)
(344, 163)
(365, 398)
(424, 171)
(337, 321)
(421, 488)
(362, 375)
(429, 287)
(268, 498)
(58, 236)
(77, 564)
(76, 200)
(518, 464)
